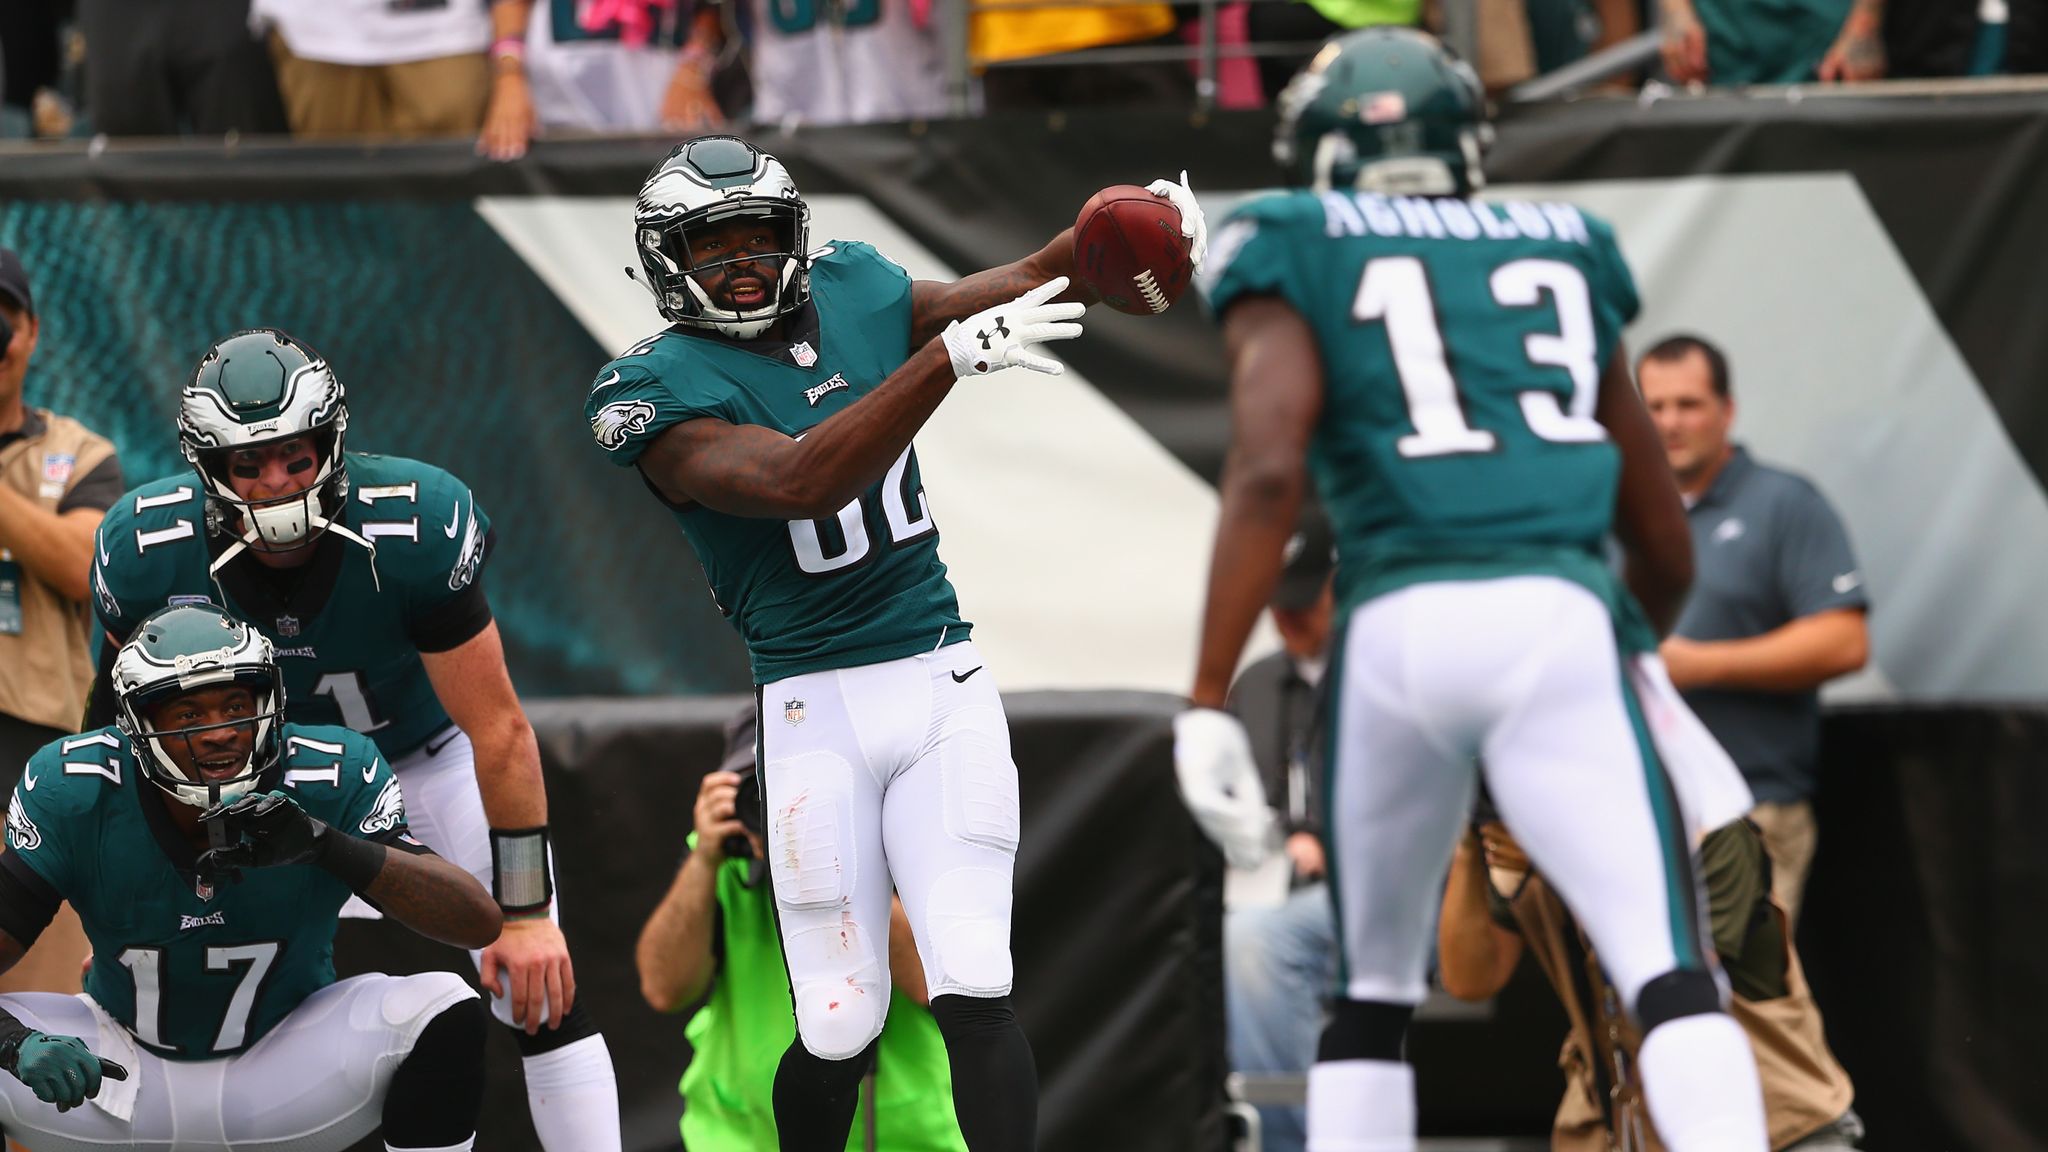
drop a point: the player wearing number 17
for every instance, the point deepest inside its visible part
(774, 418)
(365, 572)
(1449, 372)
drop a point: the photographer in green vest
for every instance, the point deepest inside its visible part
(713, 939)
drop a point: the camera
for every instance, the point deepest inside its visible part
(749, 808)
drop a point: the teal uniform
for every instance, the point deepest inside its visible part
(1463, 345)
(862, 587)
(349, 637)
(194, 971)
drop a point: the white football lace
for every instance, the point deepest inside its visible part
(1148, 287)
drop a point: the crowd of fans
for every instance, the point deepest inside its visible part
(504, 71)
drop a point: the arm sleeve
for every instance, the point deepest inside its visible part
(36, 836)
(445, 623)
(97, 489)
(1817, 568)
(27, 902)
(375, 806)
(629, 408)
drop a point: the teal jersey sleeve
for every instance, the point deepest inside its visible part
(428, 527)
(650, 388)
(1616, 303)
(1257, 252)
(340, 776)
(137, 549)
(48, 815)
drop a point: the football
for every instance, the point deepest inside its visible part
(1128, 248)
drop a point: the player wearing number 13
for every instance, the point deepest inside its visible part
(774, 418)
(365, 572)
(1449, 372)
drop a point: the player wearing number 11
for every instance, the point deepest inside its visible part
(365, 572)
(774, 418)
(1449, 372)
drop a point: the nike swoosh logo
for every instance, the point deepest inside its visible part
(454, 520)
(961, 677)
(370, 771)
(28, 782)
(601, 385)
(1846, 583)
(435, 749)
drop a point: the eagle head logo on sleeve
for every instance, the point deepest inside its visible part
(387, 813)
(620, 419)
(22, 833)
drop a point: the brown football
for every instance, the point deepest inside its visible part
(1128, 248)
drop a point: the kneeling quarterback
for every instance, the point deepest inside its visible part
(211, 1016)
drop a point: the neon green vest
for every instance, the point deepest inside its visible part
(739, 1035)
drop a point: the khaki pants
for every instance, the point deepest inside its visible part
(440, 97)
(1789, 837)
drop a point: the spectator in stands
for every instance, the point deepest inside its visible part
(165, 67)
(1000, 34)
(1307, 23)
(57, 479)
(31, 62)
(628, 66)
(406, 68)
(1777, 609)
(713, 939)
(1280, 960)
(1495, 908)
(1733, 42)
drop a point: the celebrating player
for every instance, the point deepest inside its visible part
(364, 571)
(1449, 370)
(774, 418)
(208, 847)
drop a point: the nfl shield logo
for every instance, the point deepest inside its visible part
(793, 711)
(803, 354)
(57, 467)
(287, 626)
(202, 889)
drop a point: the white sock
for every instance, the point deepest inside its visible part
(1362, 1106)
(574, 1097)
(1699, 1077)
(465, 1146)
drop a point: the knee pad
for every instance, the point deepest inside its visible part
(980, 784)
(1365, 1030)
(1677, 993)
(576, 1025)
(838, 1017)
(810, 820)
(418, 999)
(967, 920)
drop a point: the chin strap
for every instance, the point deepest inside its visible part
(317, 523)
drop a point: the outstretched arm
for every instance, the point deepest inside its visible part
(934, 304)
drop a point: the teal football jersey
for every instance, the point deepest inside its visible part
(345, 637)
(857, 588)
(1462, 345)
(193, 971)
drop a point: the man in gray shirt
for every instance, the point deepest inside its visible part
(1778, 604)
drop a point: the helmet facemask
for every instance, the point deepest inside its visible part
(276, 523)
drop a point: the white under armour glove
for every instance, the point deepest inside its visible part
(1003, 335)
(1192, 225)
(1219, 782)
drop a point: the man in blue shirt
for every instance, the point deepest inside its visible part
(1778, 604)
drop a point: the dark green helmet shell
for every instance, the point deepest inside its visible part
(1385, 109)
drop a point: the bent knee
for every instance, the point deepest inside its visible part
(838, 1019)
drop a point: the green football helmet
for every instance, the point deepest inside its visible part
(263, 387)
(1386, 110)
(711, 180)
(187, 648)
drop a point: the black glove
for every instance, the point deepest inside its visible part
(60, 1070)
(264, 830)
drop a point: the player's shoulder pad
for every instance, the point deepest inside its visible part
(426, 523)
(333, 769)
(138, 544)
(850, 259)
(1261, 227)
(664, 379)
(70, 775)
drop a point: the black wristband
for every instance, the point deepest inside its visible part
(350, 859)
(12, 1033)
(521, 881)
